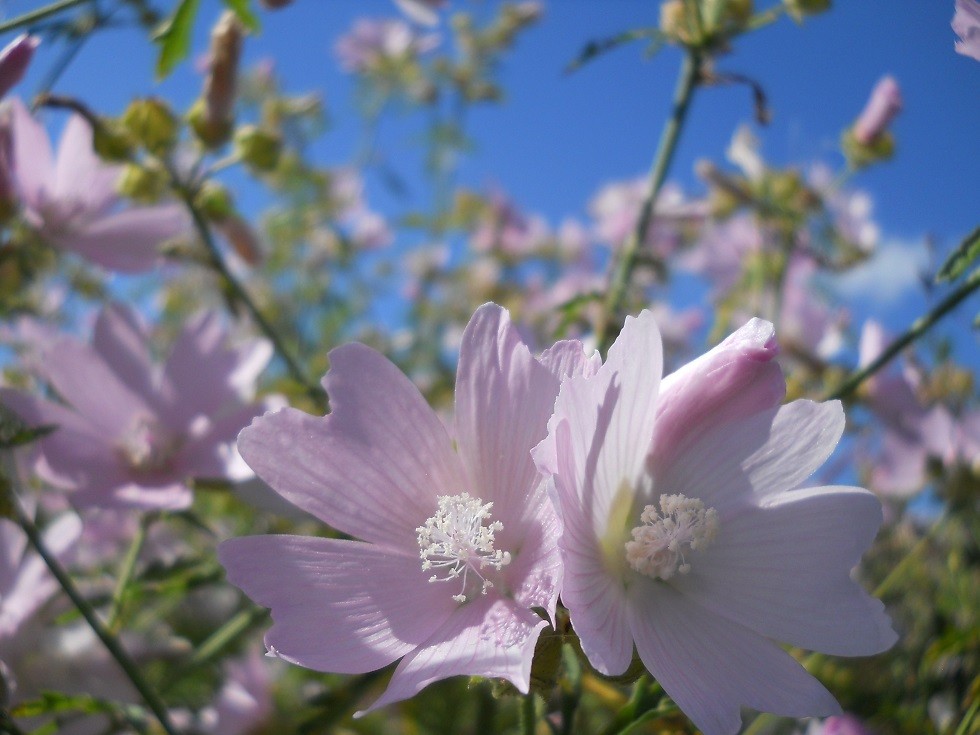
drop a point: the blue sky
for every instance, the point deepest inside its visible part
(558, 138)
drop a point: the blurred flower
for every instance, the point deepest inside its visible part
(213, 120)
(14, 59)
(72, 201)
(134, 434)
(966, 24)
(422, 11)
(370, 231)
(812, 327)
(503, 228)
(885, 103)
(845, 724)
(372, 42)
(457, 547)
(686, 531)
(743, 151)
(850, 210)
(719, 253)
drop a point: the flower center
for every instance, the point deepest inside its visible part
(148, 446)
(458, 541)
(658, 546)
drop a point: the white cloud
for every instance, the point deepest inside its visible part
(891, 273)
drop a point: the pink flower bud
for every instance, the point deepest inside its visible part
(14, 60)
(222, 82)
(966, 25)
(884, 105)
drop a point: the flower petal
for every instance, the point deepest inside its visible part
(122, 341)
(339, 606)
(32, 160)
(712, 666)
(81, 178)
(783, 570)
(489, 636)
(374, 466)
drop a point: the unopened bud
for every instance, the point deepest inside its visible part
(242, 239)
(859, 155)
(274, 4)
(111, 141)
(142, 183)
(151, 124)
(799, 9)
(675, 21)
(214, 202)
(258, 148)
(213, 116)
(8, 189)
(883, 105)
(14, 60)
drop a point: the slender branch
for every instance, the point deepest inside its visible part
(40, 14)
(529, 715)
(109, 640)
(687, 81)
(126, 576)
(313, 390)
(919, 327)
(226, 634)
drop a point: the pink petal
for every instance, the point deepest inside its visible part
(126, 241)
(80, 177)
(736, 379)
(489, 636)
(784, 571)
(124, 492)
(504, 398)
(213, 453)
(712, 667)
(568, 358)
(534, 575)
(756, 457)
(339, 606)
(33, 165)
(374, 466)
(122, 341)
(14, 60)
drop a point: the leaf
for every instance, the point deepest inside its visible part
(175, 37)
(243, 9)
(597, 48)
(15, 433)
(961, 258)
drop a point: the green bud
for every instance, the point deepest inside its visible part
(212, 132)
(860, 154)
(798, 9)
(111, 141)
(258, 148)
(145, 184)
(214, 202)
(152, 124)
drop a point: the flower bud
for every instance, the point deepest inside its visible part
(9, 200)
(111, 141)
(258, 148)
(675, 21)
(274, 4)
(242, 238)
(14, 60)
(151, 124)
(142, 183)
(885, 103)
(214, 201)
(798, 9)
(212, 117)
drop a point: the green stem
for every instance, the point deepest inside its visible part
(126, 576)
(919, 327)
(968, 718)
(40, 14)
(899, 569)
(529, 715)
(686, 83)
(313, 390)
(109, 640)
(225, 635)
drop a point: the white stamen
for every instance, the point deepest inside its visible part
(657, 548)
(147, 446)
(456, 542)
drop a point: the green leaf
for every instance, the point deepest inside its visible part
(243, 9)
(961, 258)
(15, 433)
(175, 37)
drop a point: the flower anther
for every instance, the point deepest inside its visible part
(659, 544)
(458, 540)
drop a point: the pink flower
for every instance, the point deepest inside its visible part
(422, 11)
(14, 59)
(133, 434)
(845, 724)
(373, 42)
(885, 103)
(686, 532)
(72, 201)
(503, 227)
(457, 545)
(966, 24)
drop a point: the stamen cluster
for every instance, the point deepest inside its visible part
(657, 548)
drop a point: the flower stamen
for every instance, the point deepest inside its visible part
(458, 541)
(658, 546)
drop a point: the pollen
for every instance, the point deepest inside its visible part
(148, 446)
(660, 545)
(458, 543)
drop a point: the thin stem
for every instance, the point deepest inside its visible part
(225, 635)
(919, 327)
(968, 718)
(686, 83)
(40, 14)
(109, 640)
(529, 715)
(313, 390)
(126, 576)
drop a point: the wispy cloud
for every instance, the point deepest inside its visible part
(890, 274)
